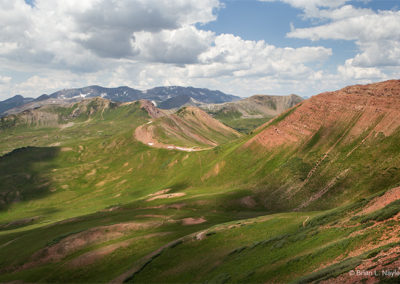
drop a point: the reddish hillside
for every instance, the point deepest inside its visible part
(153, 111)
(188, 129)
(374, 108)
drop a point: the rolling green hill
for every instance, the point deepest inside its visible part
(308, 196)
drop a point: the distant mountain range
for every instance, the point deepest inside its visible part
(13, 102)
(164, 97)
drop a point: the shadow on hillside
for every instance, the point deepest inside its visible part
(24, 174)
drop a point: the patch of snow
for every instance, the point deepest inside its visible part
(81, 96)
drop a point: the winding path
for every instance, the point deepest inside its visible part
(145, 134)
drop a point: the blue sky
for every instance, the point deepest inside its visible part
(242, 47)
(270, 21)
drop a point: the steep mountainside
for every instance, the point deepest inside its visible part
(335, 147)
(371, 108)
(248, 113)
(309, 197)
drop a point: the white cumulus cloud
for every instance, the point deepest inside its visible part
(144, 43)
(376, 35)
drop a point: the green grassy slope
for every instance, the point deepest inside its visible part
(100, 205)
(280, 248)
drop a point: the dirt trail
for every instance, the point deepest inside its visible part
(305, 221)
(145, 134)
(190, 126)
(141, 264)
(167, 196)
(7, 243)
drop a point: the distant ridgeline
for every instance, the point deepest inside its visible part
(166, 97)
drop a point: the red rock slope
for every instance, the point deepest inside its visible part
(373, 107)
